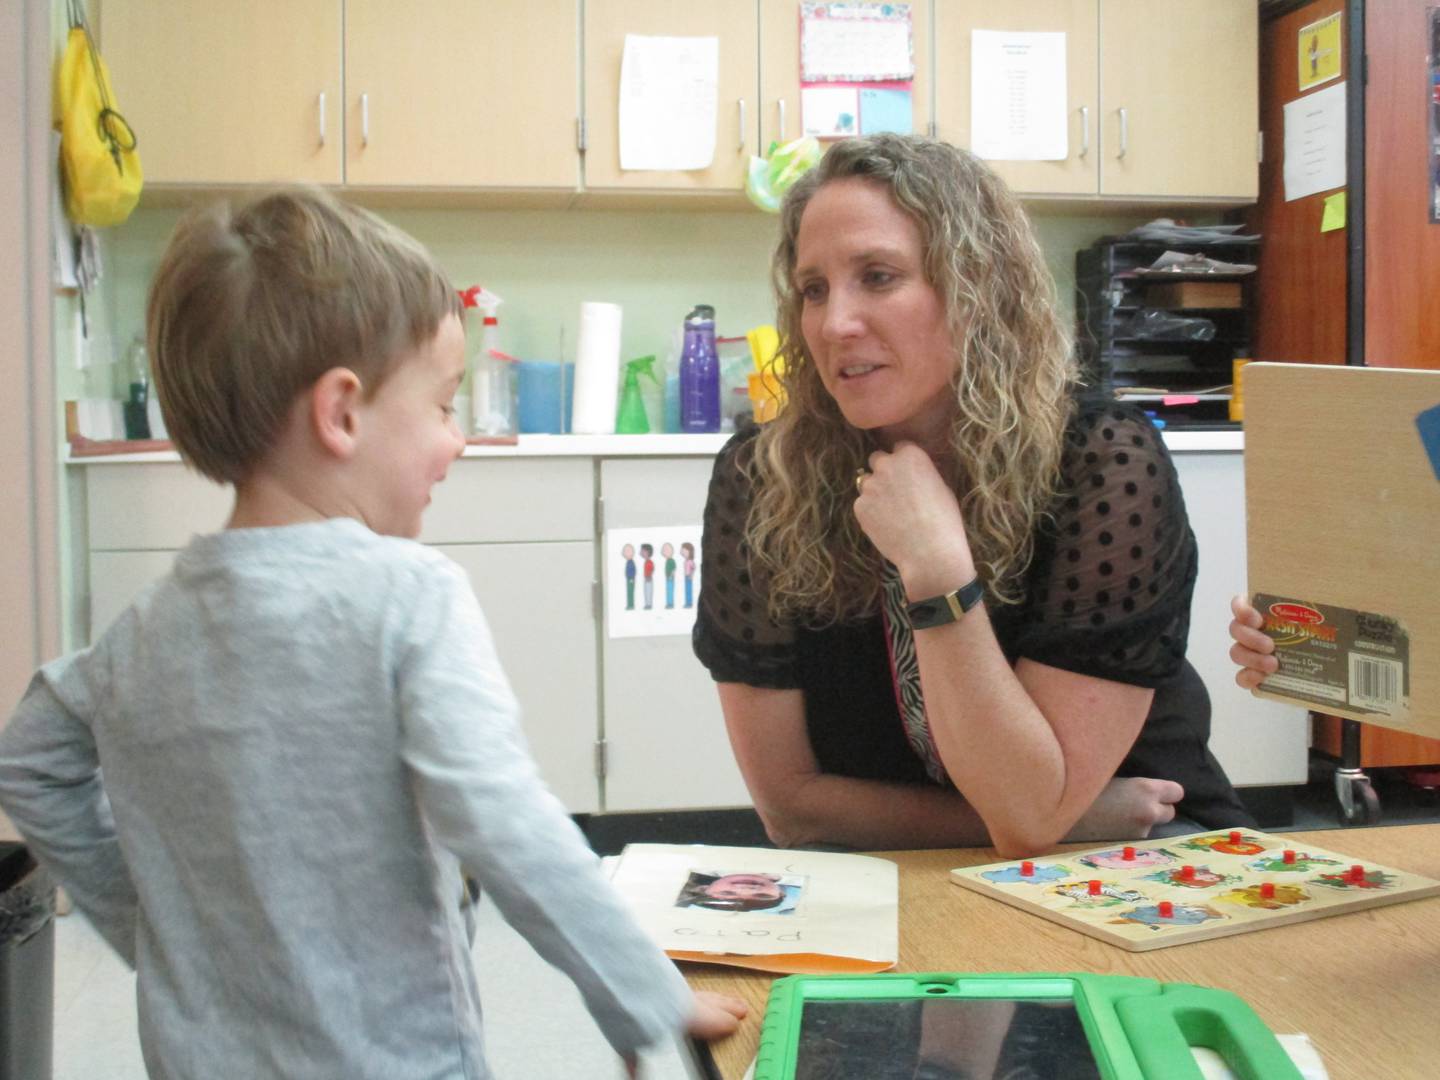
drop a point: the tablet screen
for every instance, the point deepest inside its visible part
(943, 1038)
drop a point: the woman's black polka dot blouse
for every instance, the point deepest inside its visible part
(1106, 594)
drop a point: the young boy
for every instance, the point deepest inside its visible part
(262, 782)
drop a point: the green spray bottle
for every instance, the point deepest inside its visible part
(630, 419)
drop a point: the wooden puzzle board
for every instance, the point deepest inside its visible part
(1223, 892)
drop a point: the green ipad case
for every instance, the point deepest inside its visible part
(1058, 1027)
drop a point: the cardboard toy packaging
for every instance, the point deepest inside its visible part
(1342, 503)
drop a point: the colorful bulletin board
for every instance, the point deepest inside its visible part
(857, 68)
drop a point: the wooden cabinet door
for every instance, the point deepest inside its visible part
(537, 600)
(734, 23)
(229, 91)
(1180, 98)
(1078, 20)
(461, 93)
(666, 746)
(780, 117)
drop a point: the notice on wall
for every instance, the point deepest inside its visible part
(652, 580)
(668, 88)
(1315, 143)
(829, 112)
(1017, 96)
(851, 42)
(1320, 51)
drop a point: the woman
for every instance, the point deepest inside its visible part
(935, 451)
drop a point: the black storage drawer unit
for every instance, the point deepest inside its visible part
(1133, 335)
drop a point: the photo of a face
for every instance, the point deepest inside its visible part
(772, 894)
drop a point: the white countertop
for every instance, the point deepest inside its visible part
(661, 446)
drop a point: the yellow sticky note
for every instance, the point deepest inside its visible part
(1334, 215)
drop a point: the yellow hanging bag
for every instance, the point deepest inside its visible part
(97, 147)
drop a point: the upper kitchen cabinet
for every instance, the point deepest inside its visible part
(1162, 99)
(734, 23)
(230, 91)
(461, 93)
(1079, 21)
(1181, 98)
(780, 119)
(449, 94)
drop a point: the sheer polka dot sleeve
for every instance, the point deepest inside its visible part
(734, 635)
(1109, 592)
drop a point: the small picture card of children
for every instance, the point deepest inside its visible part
(652, 580)
(741, 892)
(763, 908)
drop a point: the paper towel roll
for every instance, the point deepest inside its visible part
(597, 369)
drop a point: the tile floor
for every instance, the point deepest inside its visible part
(535, 1025)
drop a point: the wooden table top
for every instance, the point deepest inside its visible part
(1365, 986)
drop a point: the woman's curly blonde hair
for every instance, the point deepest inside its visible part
(1013, 381)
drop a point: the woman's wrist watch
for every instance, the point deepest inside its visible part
(946, 608)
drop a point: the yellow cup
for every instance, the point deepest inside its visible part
(1237, 389)
(767, 396)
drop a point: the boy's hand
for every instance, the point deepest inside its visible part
(716, 1015)
(713, 1017)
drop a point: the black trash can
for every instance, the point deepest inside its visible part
(27, 966)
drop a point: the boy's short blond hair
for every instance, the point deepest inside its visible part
(250, 306)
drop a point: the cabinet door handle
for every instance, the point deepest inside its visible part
(741, 147)
(1124, 132)
(364, 119)
(780, 102)
(1084, 130)
(322, 117)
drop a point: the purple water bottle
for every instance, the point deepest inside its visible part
(700, 373)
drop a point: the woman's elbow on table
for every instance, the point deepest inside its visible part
(1022, 843)
(784, 829)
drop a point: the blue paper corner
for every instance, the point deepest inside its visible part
(886, 109)
(1428, 424)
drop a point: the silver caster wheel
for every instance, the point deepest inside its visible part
(1359, 805)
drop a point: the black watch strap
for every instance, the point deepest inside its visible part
(939, 610)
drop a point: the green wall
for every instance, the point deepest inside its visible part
(655, 264)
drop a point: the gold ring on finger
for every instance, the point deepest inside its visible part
(860, 475)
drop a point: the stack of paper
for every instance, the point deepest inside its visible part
(781, 911)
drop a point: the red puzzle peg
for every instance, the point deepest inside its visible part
(1027, 869)
(1187, 872)
(1128, 854)
(1234, 836)
(1167, 909)
(1357, 872)
(1095, 887)
(1267, 890)
(1289, 857)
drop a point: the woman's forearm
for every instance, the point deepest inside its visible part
(871, 815)
(1031, 747)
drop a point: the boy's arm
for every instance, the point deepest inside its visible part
(483, 798)
(50, 785)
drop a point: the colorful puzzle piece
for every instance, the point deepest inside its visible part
(1288, 862)
(1015, 875)
(1155, 917)
(1192, 877)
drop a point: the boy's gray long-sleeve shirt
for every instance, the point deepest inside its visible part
(300, 730)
